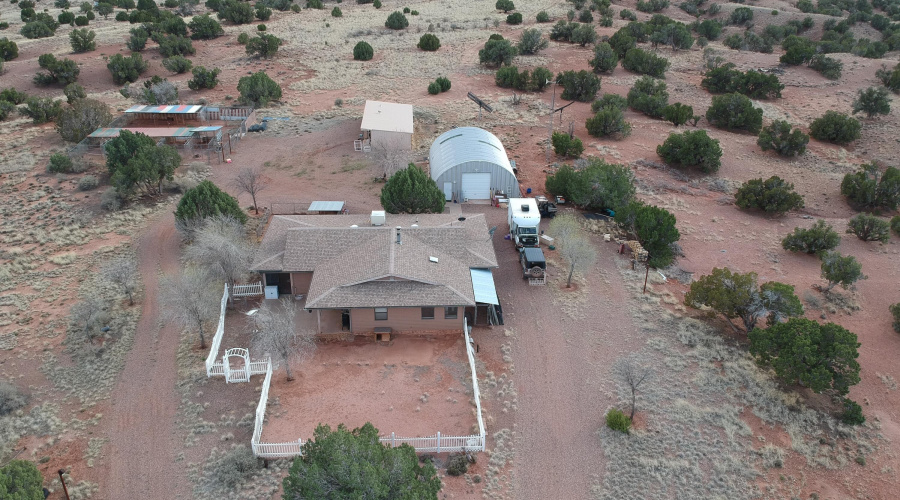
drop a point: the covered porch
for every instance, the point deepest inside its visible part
(323, 321)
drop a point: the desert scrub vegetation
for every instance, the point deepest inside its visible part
(263, 45)
(835, 127)
(818, 238)
(704, 385)
(734, 112)
(872, 101)
(654, 227)
(871, 189)
(81, 118)
(532, 42)
(497, 53)
(56, 71)
(642, 62)
(614, 185)
(566, 146)
(678, 114)
(868, 227)
(533, 81)
(895, 313)
(579, 86)
(649, 96)
(839, 269)
(773, 195)
(726, 80)
(258, 89)
(608, 121)
(362, 51)
(618, 421)
(692, 149)
(781, 138)
(126, 69)
(429, 42)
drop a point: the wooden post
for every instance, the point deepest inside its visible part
(647, 274)
(392, 441)
(229, 144)
(63, 481)
(319, 319)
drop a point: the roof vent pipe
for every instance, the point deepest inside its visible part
(399, 241)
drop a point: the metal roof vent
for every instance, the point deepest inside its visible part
(433, 259)
(415, 225)
(378, 217)
(354, 225)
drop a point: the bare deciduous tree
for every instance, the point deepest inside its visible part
(634, 375)
(222, 249)
(251, 181)
(573, 245)
(277, 334)
(86, 316)
(191, 300)
(390, 160)
(122, 272)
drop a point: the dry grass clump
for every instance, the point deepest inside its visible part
(40, 420)
(698, 400)
(236, 474)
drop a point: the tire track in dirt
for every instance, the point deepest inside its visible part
(142, 440)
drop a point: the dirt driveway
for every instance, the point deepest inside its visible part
(141, 431)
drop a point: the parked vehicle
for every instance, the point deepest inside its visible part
(534, 266)
(524, 220)
(545, 207)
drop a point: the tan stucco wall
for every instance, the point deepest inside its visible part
(391, 140)
(404, 319)
(300, 282)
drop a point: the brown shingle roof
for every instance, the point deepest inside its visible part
(365, 267)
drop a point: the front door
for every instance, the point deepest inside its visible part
(448, 191)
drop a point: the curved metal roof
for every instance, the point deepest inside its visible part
(466, 144)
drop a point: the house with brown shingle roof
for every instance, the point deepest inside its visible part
(413, 272)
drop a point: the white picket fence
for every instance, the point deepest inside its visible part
(250, 290)
(431, 444)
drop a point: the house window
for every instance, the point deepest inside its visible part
(451, 312)
(427, 313)
(380, 313)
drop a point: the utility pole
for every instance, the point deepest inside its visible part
(550, 125)
(63, 481)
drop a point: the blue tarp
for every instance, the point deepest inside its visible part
(483, 284)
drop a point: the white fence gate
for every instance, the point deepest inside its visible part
(248, 290)
(240, 373)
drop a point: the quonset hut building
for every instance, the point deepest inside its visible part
(469, 163)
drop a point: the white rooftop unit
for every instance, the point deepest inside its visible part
(378, 217)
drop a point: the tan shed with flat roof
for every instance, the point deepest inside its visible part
(387, 125)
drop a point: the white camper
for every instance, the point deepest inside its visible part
(524, 221)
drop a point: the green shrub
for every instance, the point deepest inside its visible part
(678, 114)
(497, 53)
(429, 42)
(583, 34)
(36, 29)
(841, 270)
(872, 101)
(870, 189)
(595, 186)
(260, 27)
(177, 64)
(82, 40)
(204, 78)
(579, 86)
(585, 16)
(710, 29)
(264, 13)
(828, 67)
(6, 109)
(60, 163)
(627, 15)
(818, 238)
(66, 17)
(58, 71)
(609, 100)
(363, 52)
(868, 227)
(236, 12)
(21, 480)
(566, 146)
(605, 59)
(121, 16)
(396, 21)
(126, 69)
(649, 96)
(734, 112)
(562, 31)
(895, 224)
(434, 88)
(336, 12)
(780, 137)
(505, 5)
(41, 110)
(514, 18)
(543, 17)
(444, 83)
(74, 92)
(8, 49)
(889, 78)
(243, 38)
(13, 96)
(457, 465)
(835, 127)
(205, 28)
(174, 45)
(615, 419)
(81, 118)
(852, 415)
(315, 4)
(258, 89)
(725, 80)
(741, 15)
(692, 149)
(81, 21)
(645, 63)
(773, 195)
(532, 42)
(263, 45)
(608, 122)
(895, 312)
(652, 5)
(137, 40)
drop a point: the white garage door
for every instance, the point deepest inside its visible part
(476, 186)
